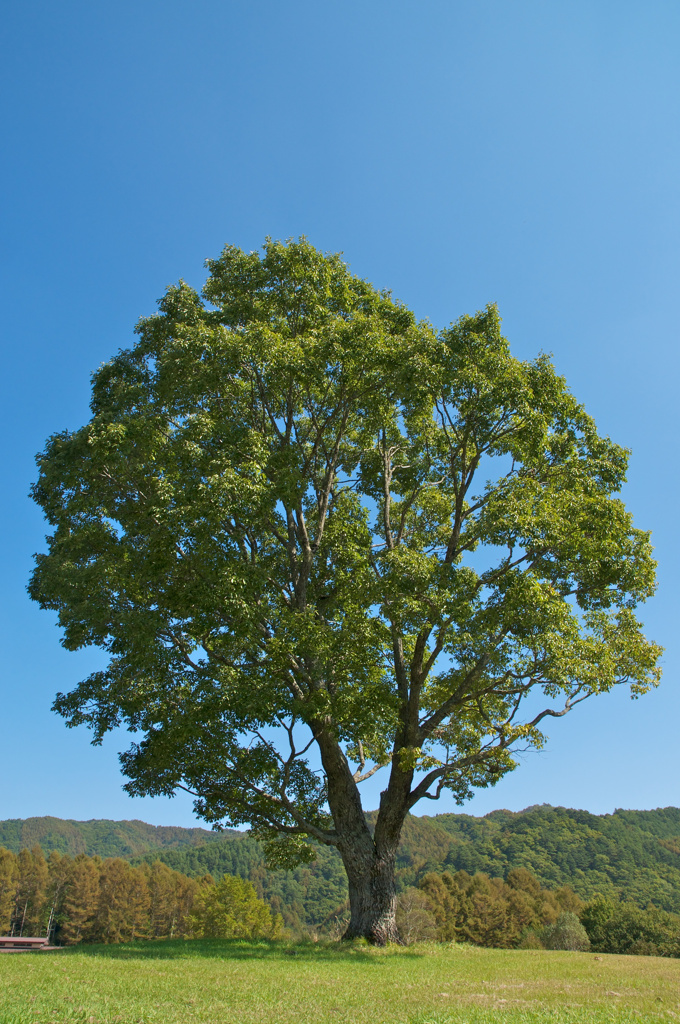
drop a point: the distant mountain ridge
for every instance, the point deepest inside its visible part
(127, 839)
(632, 855)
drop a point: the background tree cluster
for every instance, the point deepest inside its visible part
(492, 911)
(87, 899)
(518, 912)
(623, 927)
(92, 899)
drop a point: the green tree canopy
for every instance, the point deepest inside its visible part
(231, 909)
(298, 518)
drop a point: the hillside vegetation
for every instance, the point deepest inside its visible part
(631, 853)
(634, 855)
(98, 837)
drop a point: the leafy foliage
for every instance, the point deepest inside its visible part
(518, 912)
(98, 836)
(87, 899)
(628, 853)
(622, 856)
(492, 911)
(415, 919)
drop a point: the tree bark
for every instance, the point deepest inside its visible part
(369, 860)
(372, 899)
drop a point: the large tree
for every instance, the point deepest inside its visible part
(318, 539)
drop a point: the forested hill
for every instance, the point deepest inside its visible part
(107, 838)
(634, 855)
(631, 854)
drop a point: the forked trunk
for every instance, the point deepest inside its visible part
(372, 900)
(369, 859)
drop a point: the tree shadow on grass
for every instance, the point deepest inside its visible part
(241, 949)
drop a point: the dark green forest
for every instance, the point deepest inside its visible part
(629, 855)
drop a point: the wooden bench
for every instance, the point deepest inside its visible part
(23, 942)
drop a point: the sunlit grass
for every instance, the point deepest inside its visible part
(212, 982)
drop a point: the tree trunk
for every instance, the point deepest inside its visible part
(369, 860)
(372, 899)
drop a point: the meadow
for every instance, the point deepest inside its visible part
(220, 982)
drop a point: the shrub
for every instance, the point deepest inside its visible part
(626, 928)
(531, 940)
(566, 933)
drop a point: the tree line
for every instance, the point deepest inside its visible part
(85, 899)
(90, 899)
(517, 912)
(631, 854)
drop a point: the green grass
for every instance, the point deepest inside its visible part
(221, 982)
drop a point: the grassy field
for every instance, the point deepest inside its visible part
(221, 982)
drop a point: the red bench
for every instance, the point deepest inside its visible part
(23, 942)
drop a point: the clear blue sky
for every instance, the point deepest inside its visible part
(458, 152)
